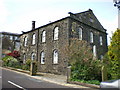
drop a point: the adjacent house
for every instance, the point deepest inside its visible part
(10, 42)
(45, 43)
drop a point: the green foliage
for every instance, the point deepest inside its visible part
(10, 61)
(114, 55)
(83, 66)
(97, 82)
(27, 64)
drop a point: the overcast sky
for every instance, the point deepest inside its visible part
(17, 15)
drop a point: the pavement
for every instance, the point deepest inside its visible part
(52, 78)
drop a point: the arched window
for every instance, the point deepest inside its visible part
(94, 51)
(33, 56)
(25, 41)
(43, 36)
(42, 58)
(56, 32)
(80, 33)
(33, 39)
(101, 41)
(55, 57)
(24, 58)
(91, 37)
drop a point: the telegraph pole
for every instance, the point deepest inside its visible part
(117, 4)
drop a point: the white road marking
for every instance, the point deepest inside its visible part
(16, 85)
(0, 76)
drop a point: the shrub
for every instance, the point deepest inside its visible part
(10, 61)
(14, 54)
(27, 64)
(83, 65)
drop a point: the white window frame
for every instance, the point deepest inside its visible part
(101, 40)
(33, 56)
(56, 33)
(33, 39)
(80, 33)
(91, 37)
(42, 57)
(44, 36)
(55, 57)
(94, 51)
(25, 41)
(11, 37)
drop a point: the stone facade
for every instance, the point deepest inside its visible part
(53, 60)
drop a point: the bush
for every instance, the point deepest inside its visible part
(10, 61)
(83, 65)
(27, 64)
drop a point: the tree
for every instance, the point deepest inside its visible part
(114, 55)
(80, 57)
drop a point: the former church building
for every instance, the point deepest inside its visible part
(45, 43)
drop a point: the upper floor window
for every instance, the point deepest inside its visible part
(16, 38)
(55, 57)
(91, 37)
(33, 39)
(42, 58)
(11, 37)
(101, 41)
(94, 51)
(33, 56)
(80, 33)
(43, 36)
(56, 32)
(25, 41)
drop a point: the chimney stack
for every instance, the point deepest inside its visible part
(33, 25)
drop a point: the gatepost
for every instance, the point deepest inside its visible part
(33, 69)
(68, 73)
(104, 73)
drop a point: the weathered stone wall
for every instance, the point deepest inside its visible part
(50, 45)
(68, 28)
(86, 29)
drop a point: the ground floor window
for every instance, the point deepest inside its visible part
(33, 56)
(42, 58)
(55, 57)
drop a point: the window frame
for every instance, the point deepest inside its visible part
(43, 36)
(55, 57)
(80, 33)
(33, 56)
(101, 40)
(25, 41)
(94, 51)
(33, 39)
(56, 33)
(42, 57)
(91, 37)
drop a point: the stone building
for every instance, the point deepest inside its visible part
(45, 43)
(9, 42)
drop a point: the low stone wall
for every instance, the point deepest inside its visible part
(85, 84)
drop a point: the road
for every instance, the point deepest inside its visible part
(15, 80)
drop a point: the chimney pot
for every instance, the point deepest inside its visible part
(33, 25)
